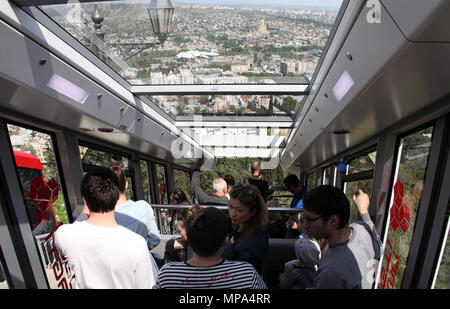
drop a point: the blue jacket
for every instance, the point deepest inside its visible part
(252, 250)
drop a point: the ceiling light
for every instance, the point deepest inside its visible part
(67, 88)
(342, 86)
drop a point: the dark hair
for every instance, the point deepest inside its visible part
(120, 176)
(229, 180)
(292, 180)
(255, 166)
(100, 190)
(179, 196)
(206, 231)
(251, 197)
(326, 201)
(183, 218)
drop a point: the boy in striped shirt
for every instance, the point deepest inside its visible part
(207, 232)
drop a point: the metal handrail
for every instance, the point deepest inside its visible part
(280, 195)
(175, 207)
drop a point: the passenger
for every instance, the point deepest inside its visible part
(177, 197)
(352, 249)
(257, 181)
(229, 179)
(219, 188)
(98, 249)
(177, 247)
(136, 216)
(292, 184)
(249, 239)
(300, 273)
(277, 222)
(207, 232)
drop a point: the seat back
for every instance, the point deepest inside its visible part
(280, 251)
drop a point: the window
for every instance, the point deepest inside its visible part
(359, 175)
(442, 280)
(145, 181)
(362, 163)
(161, 182)
(328, 176)
(183, 182)
(228, 105)
(208, 43)
(405, 199)
(92, 158)
(311, 181)
(43, 197)
(352, 187)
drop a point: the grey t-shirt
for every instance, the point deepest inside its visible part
(351, 264)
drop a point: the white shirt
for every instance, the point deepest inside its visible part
(106, 257)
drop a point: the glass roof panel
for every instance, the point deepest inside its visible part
(231, 142)
(228, 105)
(211, 41)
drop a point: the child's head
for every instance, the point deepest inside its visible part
(307, 251)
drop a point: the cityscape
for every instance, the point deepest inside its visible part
(208, 44)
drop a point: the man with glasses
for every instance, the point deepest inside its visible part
(352, 249)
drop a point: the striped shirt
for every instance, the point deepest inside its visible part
(225, 275)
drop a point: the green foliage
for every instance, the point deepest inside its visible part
(239, 168)
(60, 209)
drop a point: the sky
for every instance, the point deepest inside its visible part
(270, 3)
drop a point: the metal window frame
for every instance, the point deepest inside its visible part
(72, 169)
(443, 248)
(392, 163)
(435, 198)
(10, 263)
(300, 89)
(27, 251)
(62, 159)
(441, 221)
(419, 236)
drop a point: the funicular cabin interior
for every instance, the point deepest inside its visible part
(366, 107)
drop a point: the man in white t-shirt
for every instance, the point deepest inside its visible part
(101, 253)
